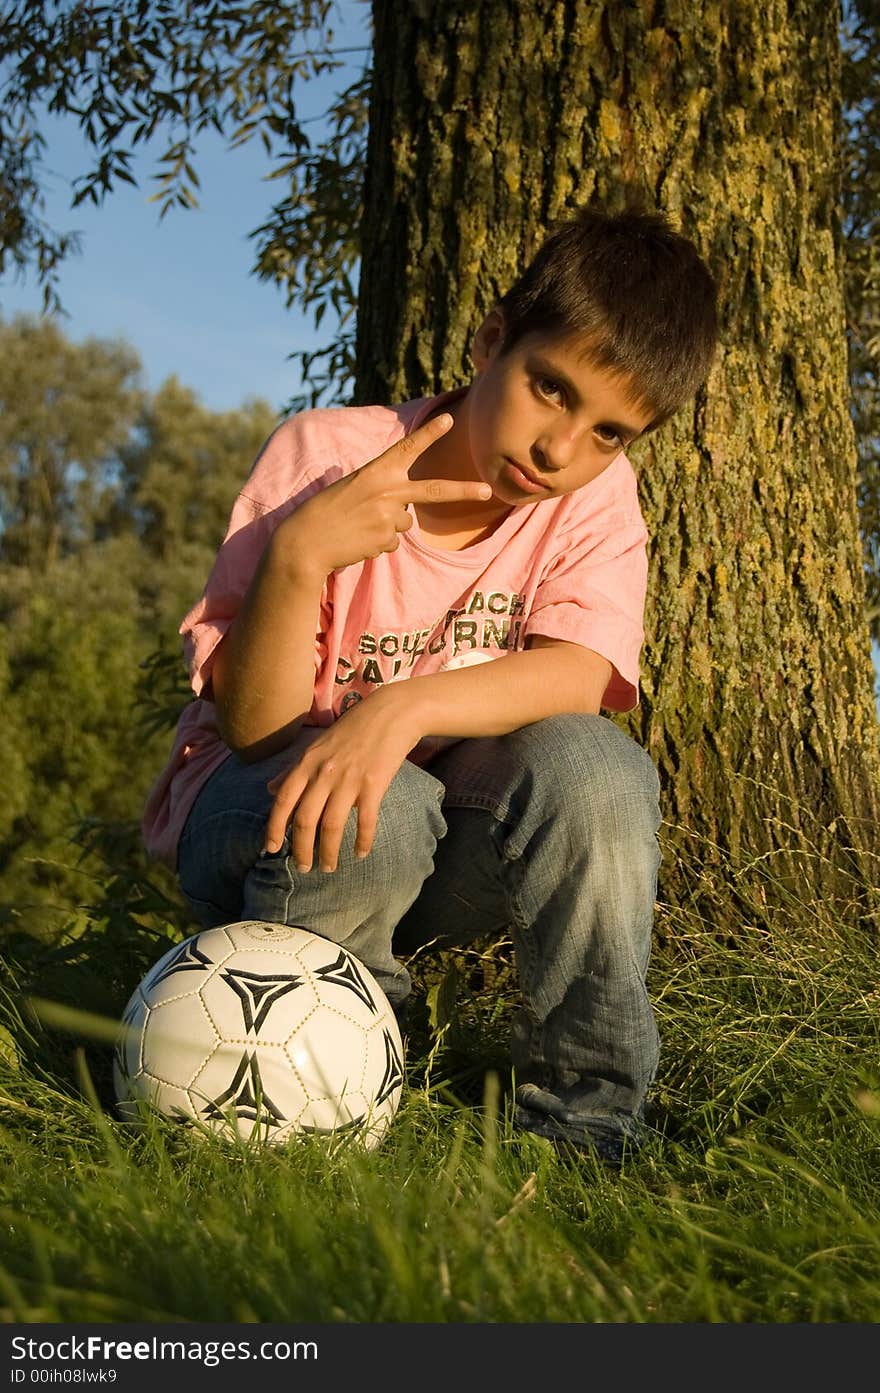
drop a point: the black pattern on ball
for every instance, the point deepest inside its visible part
(393, 1075)
(247, 1097)
(188, 958)
(344, 973)
(354, 1125)
(258, 992)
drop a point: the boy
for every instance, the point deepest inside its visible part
(400, 657)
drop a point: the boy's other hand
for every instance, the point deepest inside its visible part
(349, 765)
(362, 515)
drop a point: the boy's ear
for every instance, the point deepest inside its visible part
(487, 339)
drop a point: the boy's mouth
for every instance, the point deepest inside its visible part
(523, 480)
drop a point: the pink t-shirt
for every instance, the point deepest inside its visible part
(572, 568)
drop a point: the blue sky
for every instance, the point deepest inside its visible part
(180, 290)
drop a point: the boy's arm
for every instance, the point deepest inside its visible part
(351, 764)
(550, 677)
(264, 670)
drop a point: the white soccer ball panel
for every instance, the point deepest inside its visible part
(328, 1052)
(179, 1037)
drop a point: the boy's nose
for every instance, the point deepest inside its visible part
(555, 451)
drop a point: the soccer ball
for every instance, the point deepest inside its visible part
(265, 1029)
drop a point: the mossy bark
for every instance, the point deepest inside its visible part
(489, 121)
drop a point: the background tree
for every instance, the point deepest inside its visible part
(72, 646)
(489, 122)
(65, 410)
(179, 473)
(90, 670)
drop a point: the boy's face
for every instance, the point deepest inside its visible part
(542, 421)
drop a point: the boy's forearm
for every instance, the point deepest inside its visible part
(264, 672)
(499, 696)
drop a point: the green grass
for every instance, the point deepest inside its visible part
(756, 1200)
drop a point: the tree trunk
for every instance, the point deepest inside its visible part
(489, 121)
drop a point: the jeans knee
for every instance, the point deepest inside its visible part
(410, 820)
(584, 766)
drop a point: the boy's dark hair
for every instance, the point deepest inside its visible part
(634, 290)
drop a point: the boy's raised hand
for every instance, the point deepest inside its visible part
(360, 516)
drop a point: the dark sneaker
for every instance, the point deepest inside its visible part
(610, 1136)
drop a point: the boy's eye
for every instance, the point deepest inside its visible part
(548, 387)
(609, 436)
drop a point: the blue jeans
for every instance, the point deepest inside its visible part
(548, 834)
